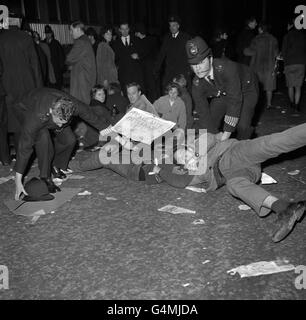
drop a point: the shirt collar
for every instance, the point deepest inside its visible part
(175, 34)
(210, 76)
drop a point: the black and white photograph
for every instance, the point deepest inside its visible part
(152, 153)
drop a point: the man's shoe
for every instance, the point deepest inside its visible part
(51, 186)
(287, 220)
(58, 173)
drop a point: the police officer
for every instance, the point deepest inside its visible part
(44, 116)
(225, 93)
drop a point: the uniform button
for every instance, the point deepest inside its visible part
(248, 81)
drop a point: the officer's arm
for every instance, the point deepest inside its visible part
(199, 97)
(233, 98)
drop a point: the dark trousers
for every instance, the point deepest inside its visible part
(54, 148)
(244, 128)
(4, 149)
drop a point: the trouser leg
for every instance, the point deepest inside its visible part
(45, 152)
(64, 143)
(4, 149)
(258, 150)
(244, 127)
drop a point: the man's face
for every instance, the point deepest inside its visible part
(133, 94)
(174, 27)
(48, 36)
(188, 158)
(203, 68)
(75, 32)
(59, 122)
(124, 30)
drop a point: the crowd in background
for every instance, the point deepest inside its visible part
(123, 67)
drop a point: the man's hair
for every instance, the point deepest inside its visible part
(124, 23)
(78, 24)
(63, 108)
(133, 84)
(171, 86)
(96, 88)
(91, 32)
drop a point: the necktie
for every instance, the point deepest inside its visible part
(126, 41)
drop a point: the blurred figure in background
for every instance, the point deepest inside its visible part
(149, 47)
(244, 40)
(221, 47)
(57, 58)
(93, 37)
(106, 68)
(263, 52)
(294, 55)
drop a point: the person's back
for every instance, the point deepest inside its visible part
(294, 47)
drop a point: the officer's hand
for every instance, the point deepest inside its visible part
(19, 190)
(135, 56)
(219, 136)
(225, 135)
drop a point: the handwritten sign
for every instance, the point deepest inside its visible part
(142, 126)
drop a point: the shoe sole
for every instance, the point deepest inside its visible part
(296, 217)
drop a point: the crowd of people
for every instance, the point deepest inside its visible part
(185, 80)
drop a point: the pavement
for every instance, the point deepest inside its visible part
(115, 244)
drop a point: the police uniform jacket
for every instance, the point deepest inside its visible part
(231, 82)
(33, 115)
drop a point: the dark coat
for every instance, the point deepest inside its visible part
(57, 60)
(173, 53)
(294, 47)
(244, 41)
(21, 68)
(34, 115)
(129, 69)
(232, 81)
(83, 72)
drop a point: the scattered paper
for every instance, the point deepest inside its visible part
(294, 173)
(101, 193)
(34, 219)
(266, 179)
(261, 268)
(195, 189)
(111, 198)
(175, 210)
(186, 285)
(6, 179)
(244, 207)
(75, 177)
(283, 111)
(85, 193)
(206, 261)
(198, 221)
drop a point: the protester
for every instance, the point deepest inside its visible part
(233, 163)
(41, 111)
(116, 102)
(221, 47)
(171, 107)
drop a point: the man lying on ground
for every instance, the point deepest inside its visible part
(236, 164)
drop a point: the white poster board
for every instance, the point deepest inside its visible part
(142, 126)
